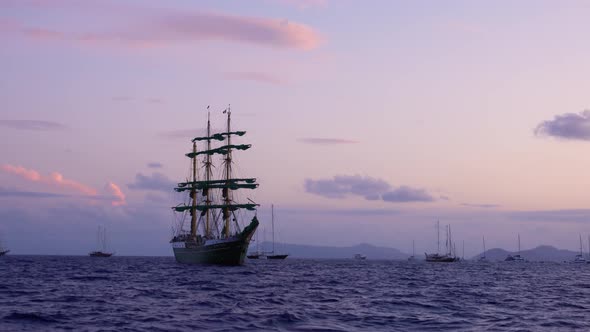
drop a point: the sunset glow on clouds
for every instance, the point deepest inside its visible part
(57, 180)
(152, 28)
(116, 191)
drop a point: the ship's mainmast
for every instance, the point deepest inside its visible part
(226, 191)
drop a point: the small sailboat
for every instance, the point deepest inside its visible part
(359, 257)
(216, 234)
(413, 257)
(579, 259)
(101, 239)
(450, 254)
(272, 254)
(517, 257)
(3, 251)
(483, 257)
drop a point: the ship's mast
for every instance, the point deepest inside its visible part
(484, 246)
(208, 175)
(463, 253)
(272, 218)
(226, 191)
(581, 254)
(438, 236)
(519, 244)
(194, 196)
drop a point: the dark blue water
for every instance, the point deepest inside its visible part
(46, 293)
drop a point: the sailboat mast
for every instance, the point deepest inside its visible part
(226, 191)
(581, 245)
(484, 246)
(518, 244)
(194, 195)
(272, 218)
(413, 248)
(438, 236)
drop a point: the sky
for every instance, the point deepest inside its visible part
(368, 122)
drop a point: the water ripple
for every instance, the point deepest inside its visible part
(156, 294)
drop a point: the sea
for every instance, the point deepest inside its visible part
(63, 293)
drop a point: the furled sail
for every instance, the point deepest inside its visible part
(220, 150)
(231, 207)
(219, 136)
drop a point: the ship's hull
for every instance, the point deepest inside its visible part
(100, 254)
(230, 251)
(276, 256)
(256, 256)
(436, 258)
(2, 253)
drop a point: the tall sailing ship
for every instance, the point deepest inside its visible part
(215, 236)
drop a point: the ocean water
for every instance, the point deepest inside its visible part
(60, 293)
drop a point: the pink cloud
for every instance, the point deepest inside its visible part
(59, 180)
(54, 179)
(150, 27)
(117, 193)
(28, 174)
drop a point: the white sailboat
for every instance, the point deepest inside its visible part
(483, 257)
(273, 254)
(3, 251)
(517, 257)
(413, 257)
(579, 259)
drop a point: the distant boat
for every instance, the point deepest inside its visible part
(517, 257)
(272, 254)
(413, 257)
(360, 257)
(579, 259)
(216, 234)
(483, 257)
(3, 251)
(101, 239)
(450, 255)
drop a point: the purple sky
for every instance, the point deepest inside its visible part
(368, 122)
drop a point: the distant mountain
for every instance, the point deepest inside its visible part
(309, 251)
(540, 253)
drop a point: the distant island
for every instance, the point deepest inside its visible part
(540, 253)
